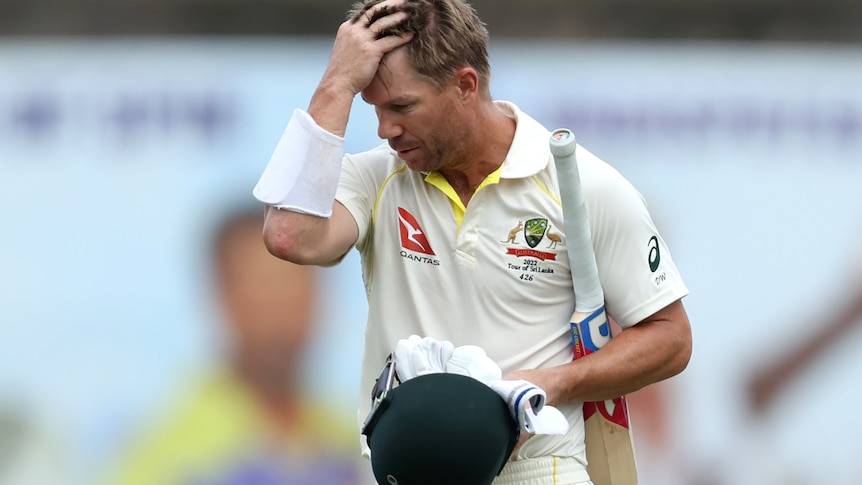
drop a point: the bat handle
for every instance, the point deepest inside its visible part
(562, 143)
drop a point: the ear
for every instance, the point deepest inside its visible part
(467, 83)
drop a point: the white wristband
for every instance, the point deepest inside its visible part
(302, 174)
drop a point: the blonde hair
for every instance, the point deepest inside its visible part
(448, 36)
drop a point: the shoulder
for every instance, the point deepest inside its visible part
(602, 183)
(379, 157)
(370, 169)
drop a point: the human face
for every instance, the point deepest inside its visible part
(269, 308)
(424, 125)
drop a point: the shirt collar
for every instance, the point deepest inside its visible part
(530, 151)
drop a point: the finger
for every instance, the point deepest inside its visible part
(388, 25)
(419, 362)
(440, 354)
(402, 360)
(377, 12)
(388, 43)
(374, 11)
(472, 361)
(428, 348)
(446, 350)
(362, 12)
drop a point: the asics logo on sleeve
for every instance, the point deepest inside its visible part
(654, 257)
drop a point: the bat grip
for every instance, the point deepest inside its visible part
(579, 245)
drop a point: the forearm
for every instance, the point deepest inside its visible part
(632, 360)
(298, 187)
(303, 223)
(651, 351)
(330, 106)
(356, 56)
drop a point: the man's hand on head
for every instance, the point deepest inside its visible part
(363, 40)
(360, 45)
(374, 11)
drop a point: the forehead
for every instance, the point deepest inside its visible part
(395, 78)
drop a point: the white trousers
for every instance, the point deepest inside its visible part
(545, 470)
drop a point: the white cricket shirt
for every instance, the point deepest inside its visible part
(496, 274)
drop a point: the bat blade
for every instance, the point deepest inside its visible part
(608, 434)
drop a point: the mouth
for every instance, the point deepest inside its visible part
(402, 152)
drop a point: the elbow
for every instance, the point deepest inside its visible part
(284, 242)
(277, 243)
(677, 333)
(283, 245)
(681, 356)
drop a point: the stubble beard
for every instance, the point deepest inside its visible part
(448, 149)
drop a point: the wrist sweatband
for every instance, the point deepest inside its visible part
(302, 174)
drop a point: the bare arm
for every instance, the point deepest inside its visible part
(305, 239)
(655, 349)
(356, 56)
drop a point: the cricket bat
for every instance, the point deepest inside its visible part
(609, 442)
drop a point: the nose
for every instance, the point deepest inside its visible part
(387, 127)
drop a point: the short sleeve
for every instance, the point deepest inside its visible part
(637, 272)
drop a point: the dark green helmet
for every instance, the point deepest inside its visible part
(440, 429)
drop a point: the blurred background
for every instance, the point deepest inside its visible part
(131, 133)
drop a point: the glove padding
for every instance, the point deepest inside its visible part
(416, 356)
(472, 361)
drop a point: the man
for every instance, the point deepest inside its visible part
(248, 420)
(431, 212)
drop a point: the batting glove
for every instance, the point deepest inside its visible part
(527, 404)
(416, 356)
(472, 361)
(526, 401)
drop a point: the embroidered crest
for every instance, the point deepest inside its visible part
(534, 231)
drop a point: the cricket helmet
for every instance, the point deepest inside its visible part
(440, 428)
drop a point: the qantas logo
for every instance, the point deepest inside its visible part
(412, 236)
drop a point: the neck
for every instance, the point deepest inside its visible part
(490, 139)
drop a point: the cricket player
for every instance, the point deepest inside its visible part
(458, 222)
